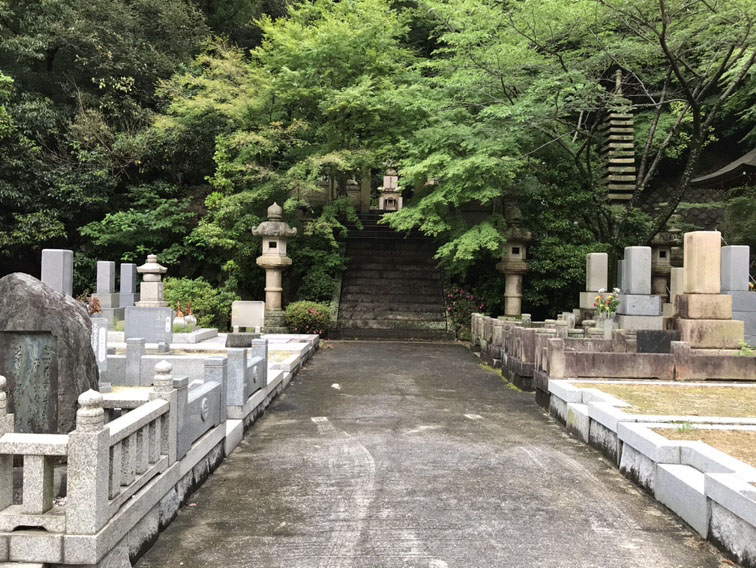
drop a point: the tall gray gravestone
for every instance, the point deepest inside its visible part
(45, 354)
(109, 299)
(128, 290)
(57, 270)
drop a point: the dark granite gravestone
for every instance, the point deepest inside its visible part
(45, 353)
(656, 340)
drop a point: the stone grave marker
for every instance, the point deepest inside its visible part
(128, 292)
(45, 353)
(57, 270)
(248, 315)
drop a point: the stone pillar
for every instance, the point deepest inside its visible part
(6, 460)
(274, 232)
(100, 348)
(128, 292)
(705, 315)
(57, 270)
(638, 308)
(88, 468)
(596, 279)
(162, 388)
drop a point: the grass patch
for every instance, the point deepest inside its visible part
(735, 402)
(513, 387)
(740, 444)
(488, 368)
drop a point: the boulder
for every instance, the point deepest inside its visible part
(45, 354)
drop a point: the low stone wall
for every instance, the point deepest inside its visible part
(127, 476)
(711, 491)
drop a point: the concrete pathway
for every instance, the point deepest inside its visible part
(412, 455)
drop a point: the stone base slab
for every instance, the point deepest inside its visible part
(634, 323)
(154, 325)
(711, 333)
(704, 306)
(640, 305)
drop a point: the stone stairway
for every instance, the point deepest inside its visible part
(392, 288)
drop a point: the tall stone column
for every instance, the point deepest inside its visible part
(274, 232)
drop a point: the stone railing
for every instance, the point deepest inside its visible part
(132, 460)
(39, 455)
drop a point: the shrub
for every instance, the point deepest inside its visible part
(317, 285)
(211, 305)
(460, 305)
(308, 317)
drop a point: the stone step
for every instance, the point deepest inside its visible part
(397, 298)
(373, 314)
(391, 334)
(350, 306)
(393, 324)
(372, 265)
(383, 281)
(398, 288)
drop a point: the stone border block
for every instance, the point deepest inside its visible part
(681, 488)
(734, 494)
(577, 420)
(608, 415)
(566, 391)
(655, 446)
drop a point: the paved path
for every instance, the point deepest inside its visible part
(386, 454)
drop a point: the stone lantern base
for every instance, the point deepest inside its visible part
(274, 322)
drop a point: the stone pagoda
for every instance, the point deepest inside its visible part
(619, 147)
(274, 232)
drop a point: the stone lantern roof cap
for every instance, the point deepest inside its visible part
(275, 226)
(275, 212)
(152, 266)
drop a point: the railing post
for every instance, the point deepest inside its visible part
(260, 349)
(237, 376)
(6, 461)
(216, 369)
(555, 354)
(88, 468)
(162, 388)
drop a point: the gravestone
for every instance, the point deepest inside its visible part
(57, 270)
(247, 315)
(109, 299)
(45, 353)
(128, 292)
(100, 348)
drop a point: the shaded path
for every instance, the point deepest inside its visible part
(412, 455)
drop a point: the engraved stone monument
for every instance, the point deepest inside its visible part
(45, 353)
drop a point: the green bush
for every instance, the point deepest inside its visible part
(308, 317)
(461, 304)
(211, 305)
(317, 285)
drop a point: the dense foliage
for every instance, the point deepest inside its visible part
(308, 317)
(169, 126)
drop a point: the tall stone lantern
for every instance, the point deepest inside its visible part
(274, 232)
(513, 261)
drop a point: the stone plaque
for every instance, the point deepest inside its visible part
(30, 363)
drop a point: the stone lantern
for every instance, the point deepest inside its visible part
(274, 233)
(513, 261)
(661, 261)
(390, 194)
